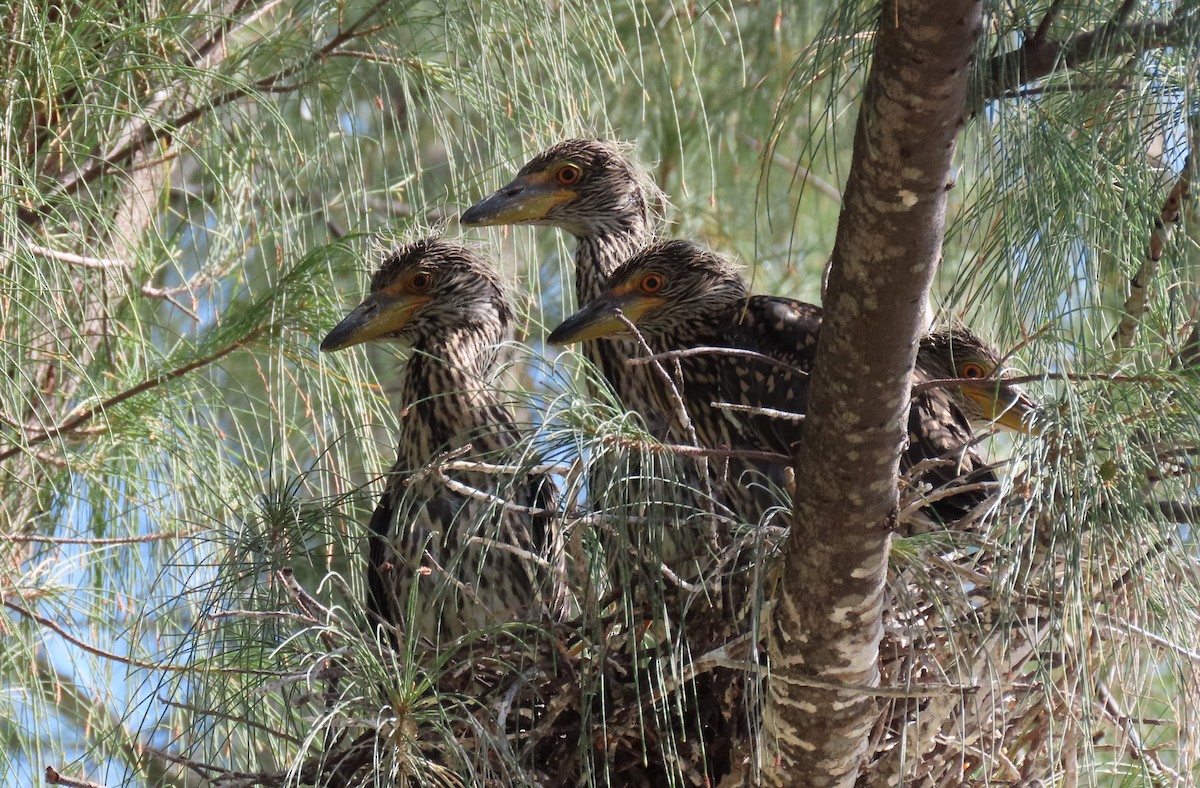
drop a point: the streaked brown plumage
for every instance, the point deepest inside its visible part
(681, 296)
(447, 304)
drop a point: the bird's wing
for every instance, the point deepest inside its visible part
(549, 543)
(380, 553)
(786, 331)
(939, 434)
(940, 455)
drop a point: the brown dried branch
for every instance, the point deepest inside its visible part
(1075, 377)
(54, 777)
(1039, 57)
(770, 413)
(97, 718)
(78, 418)
(1137, 749)
(672, 355)
(700, 451)
(99, 652)
(98, 542)
(95, 263)
(1136, 304)
(122, 266)
(139, 139)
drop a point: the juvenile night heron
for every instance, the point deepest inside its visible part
(681, 297)
(590, 189)
(941, 421)
(447, 304)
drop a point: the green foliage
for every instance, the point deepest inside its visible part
(186, 205)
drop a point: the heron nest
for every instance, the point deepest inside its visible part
(656, 675)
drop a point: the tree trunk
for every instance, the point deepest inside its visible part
(825, 625)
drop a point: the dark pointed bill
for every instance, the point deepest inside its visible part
(599, 319)
(1007, 405)
(380, 313)
(524, 200)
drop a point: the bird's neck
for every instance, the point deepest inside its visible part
(605, 247)
(445, 395)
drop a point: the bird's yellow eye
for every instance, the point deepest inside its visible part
(651, 283)
(420, 282)
(568, 174)
(973, 370)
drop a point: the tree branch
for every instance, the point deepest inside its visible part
(1039, 57)
(1043, 27)
(97, 719)
(95, 263)
(1139, 286)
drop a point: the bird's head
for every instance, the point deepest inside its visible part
(586, 187)
(956, 352)
(423, 289)
(665, 289)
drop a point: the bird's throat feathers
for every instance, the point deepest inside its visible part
(597, 256)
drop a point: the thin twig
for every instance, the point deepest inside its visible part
(680, 411)
(704, 350)
(505, 470)
(911, 691)
(137, 663)
(760, 410)
(685, 421)
(1130, 629)
(700, 451)
(1137, 749)
(1014, 380)
(96, 542)
(725, 454)
(264, 615)
(304, 600)
(241, 721)
(947, 491)
(166, 294)
(140, 139)
(107, 264)
(480, 495)
(732, 654)
(54, 777)
(512, 549)
(94, 263)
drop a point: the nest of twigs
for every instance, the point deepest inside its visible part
(656, 678)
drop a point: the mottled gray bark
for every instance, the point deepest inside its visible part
(826, 621)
